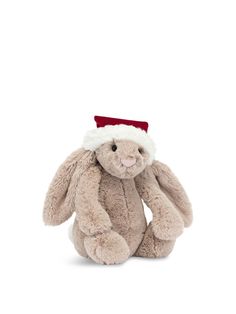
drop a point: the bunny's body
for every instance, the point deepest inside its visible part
(123, 204)
(120, 199)
(105, 187)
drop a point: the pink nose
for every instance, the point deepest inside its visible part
(128, 162)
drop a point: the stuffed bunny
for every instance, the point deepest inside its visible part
(104, 183)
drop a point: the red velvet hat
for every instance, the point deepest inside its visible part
(103, 121)
(109, 129)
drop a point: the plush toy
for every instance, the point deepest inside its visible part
(104, 183)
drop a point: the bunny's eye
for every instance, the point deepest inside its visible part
(141, 151)
(114, 148)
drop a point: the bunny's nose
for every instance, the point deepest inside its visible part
(128, 162)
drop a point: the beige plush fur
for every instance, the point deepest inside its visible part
(106, 188)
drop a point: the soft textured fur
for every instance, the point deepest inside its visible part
(110, 224)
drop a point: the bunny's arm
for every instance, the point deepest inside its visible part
(167, 223)
(173, 189)
(91, 216)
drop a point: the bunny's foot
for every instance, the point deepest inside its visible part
(107, 248)
(153, 247)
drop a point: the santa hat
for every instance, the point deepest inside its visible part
(109, 129)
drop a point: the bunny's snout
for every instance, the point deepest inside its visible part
(129, 162)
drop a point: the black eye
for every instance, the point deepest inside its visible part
(114, 148)
(141, 151)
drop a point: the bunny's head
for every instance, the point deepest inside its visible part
(122, 158)
(122, 150)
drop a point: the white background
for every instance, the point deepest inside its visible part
(172, 63)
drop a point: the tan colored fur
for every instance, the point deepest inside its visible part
(110, 224)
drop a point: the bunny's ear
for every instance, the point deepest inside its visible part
(173, 189)
(59, 202)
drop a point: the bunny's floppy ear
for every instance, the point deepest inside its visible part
(59, 202)
(173, 190)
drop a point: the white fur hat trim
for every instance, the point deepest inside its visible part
(95, 138)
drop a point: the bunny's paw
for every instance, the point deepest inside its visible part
(107, 248)
(167, 229)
